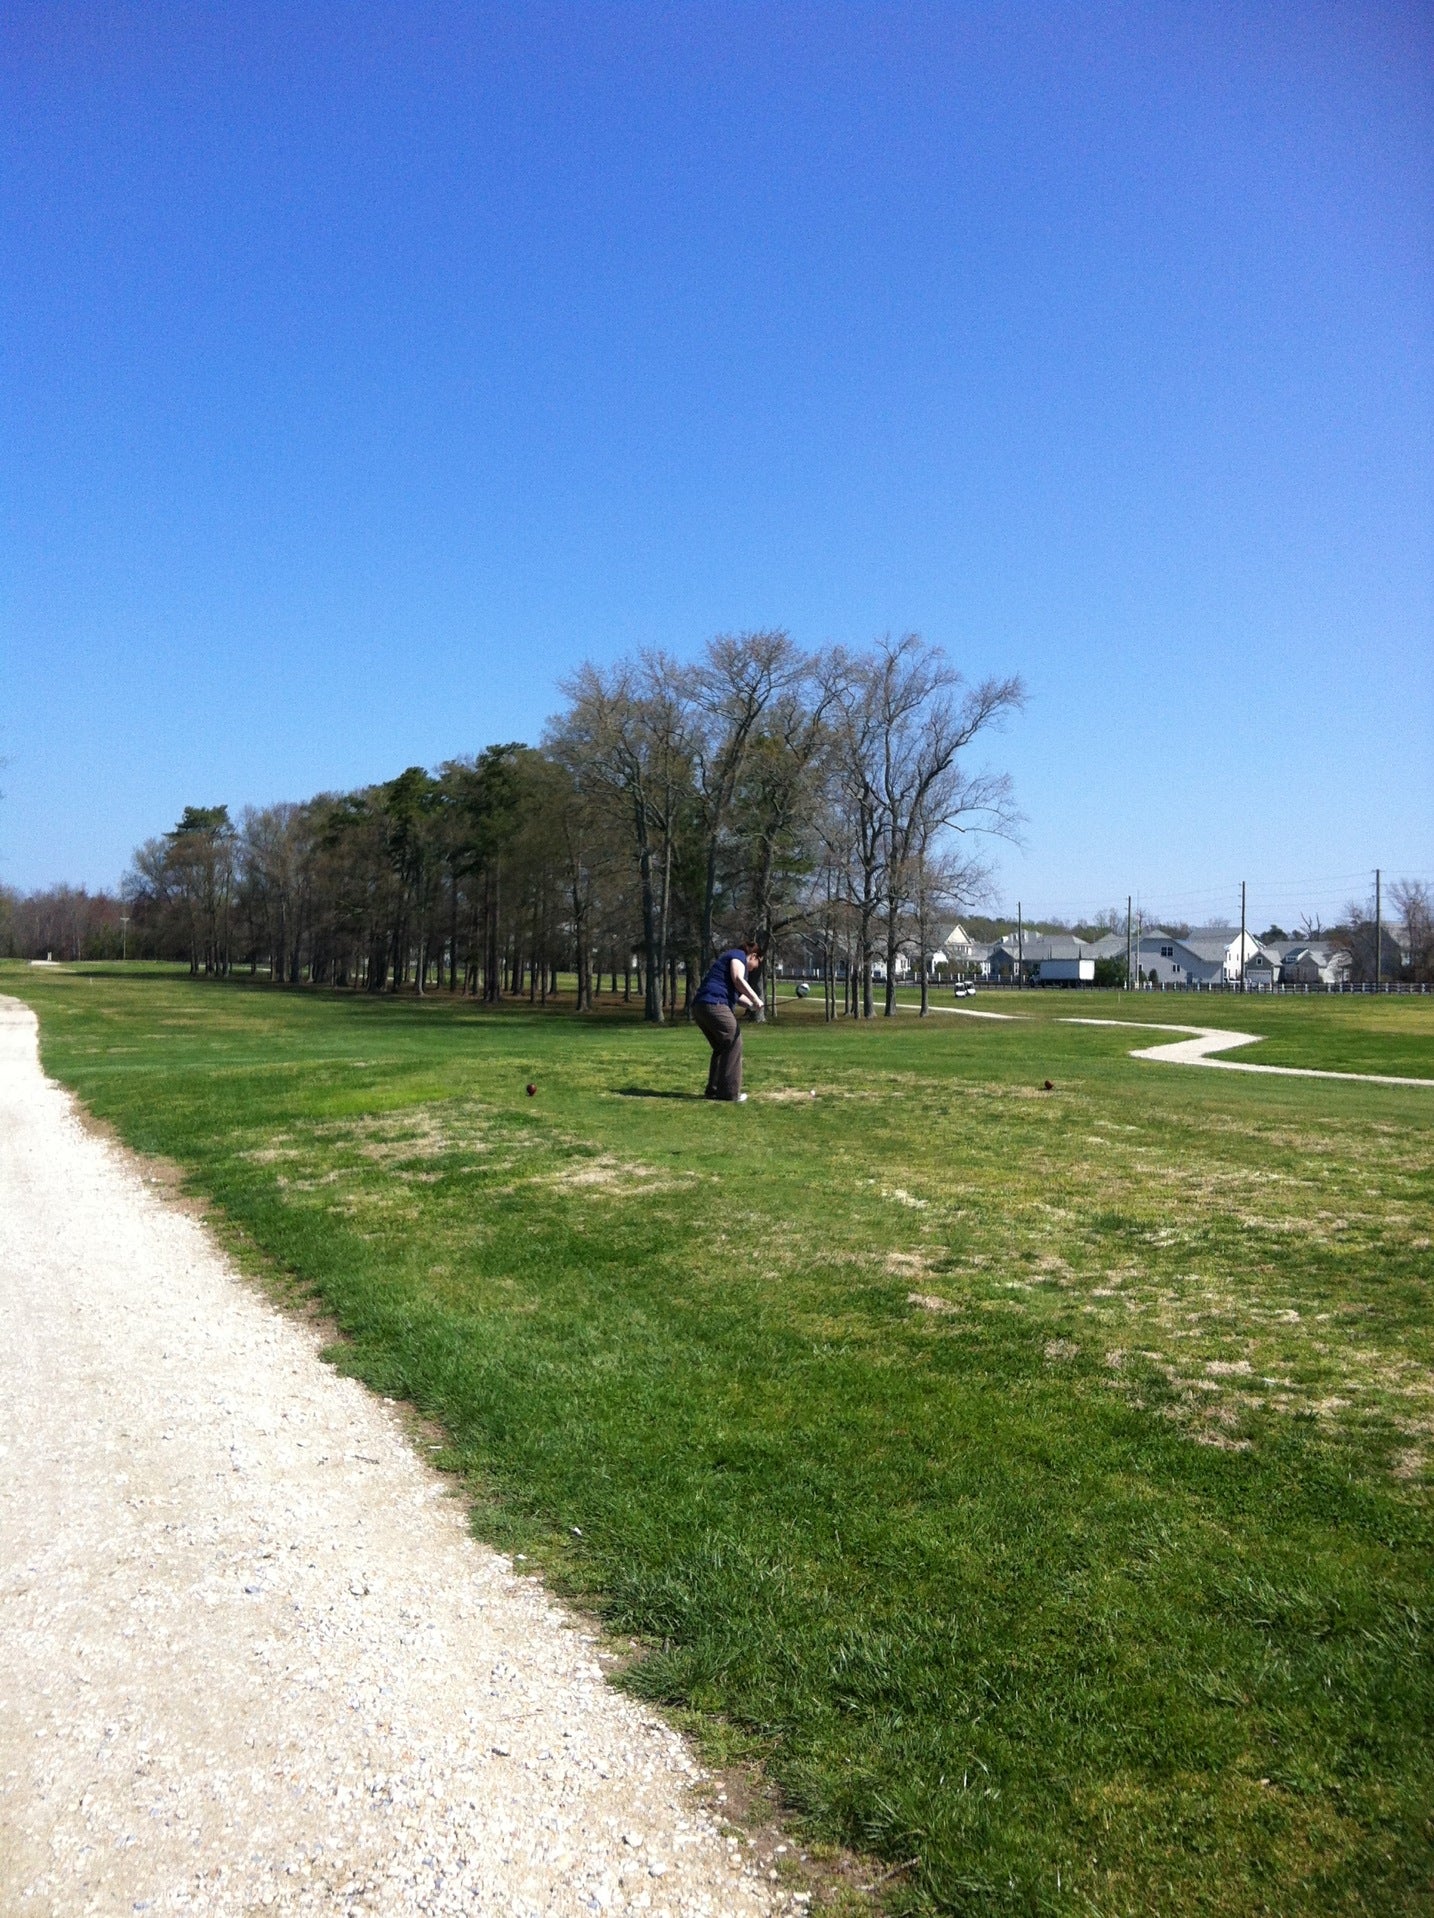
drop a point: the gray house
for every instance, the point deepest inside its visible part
(1044, 959)
(1209, 957)
(1316, 963)
(1262, 970)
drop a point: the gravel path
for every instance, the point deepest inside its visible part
(250, 1657)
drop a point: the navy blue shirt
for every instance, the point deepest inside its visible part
(717, 988)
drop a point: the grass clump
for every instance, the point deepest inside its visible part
(1036, 1480)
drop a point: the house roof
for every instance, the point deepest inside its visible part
(1037, 946)
(1210, 943)
(1318, 951)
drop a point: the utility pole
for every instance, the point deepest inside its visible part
(1020, 947)
(1378, 929)
(1242, 935)
(124, 936)
(1127, 942)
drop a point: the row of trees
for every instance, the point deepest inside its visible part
(70, 923)
(64, 922)
(827, 803)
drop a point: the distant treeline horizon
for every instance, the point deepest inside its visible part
(73, 923)
(824, 804)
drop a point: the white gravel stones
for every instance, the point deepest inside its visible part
(250, 1658)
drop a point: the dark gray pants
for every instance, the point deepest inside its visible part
(718, 1026)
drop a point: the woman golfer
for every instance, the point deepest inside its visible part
(727, 985)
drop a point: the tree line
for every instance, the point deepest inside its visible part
(826, 803)
(829, 804)
(66, 922)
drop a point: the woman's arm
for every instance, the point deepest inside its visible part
(744, 989)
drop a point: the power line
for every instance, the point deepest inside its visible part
(1321, 898)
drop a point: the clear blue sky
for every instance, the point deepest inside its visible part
(366, 367)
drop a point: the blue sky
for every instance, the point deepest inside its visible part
(366, 367)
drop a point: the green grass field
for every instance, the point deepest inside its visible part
(1037, 1481)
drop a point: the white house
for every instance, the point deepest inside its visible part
(960, 953)
(878, 968)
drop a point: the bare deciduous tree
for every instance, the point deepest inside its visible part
(816, 801)
(733, 688)
(276, 845)
(1411, 900)
(632, 735)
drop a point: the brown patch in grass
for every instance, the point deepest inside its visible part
(906, 1264)
(607, 1174)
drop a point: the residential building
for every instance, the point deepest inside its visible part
(959, 953)
(1262, 970)
(1315, 963)
(878, 968)
(1044, 959)
(1208, 957)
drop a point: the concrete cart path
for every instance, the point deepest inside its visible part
(963, 1012)
(1198, 1049)
(250, 1656)
(1208, 1040)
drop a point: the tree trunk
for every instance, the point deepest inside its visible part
(892, 940)
(652, 956)
(709, 894)
(492, 977)
(585, 981)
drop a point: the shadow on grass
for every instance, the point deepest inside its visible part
(652, 1092)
